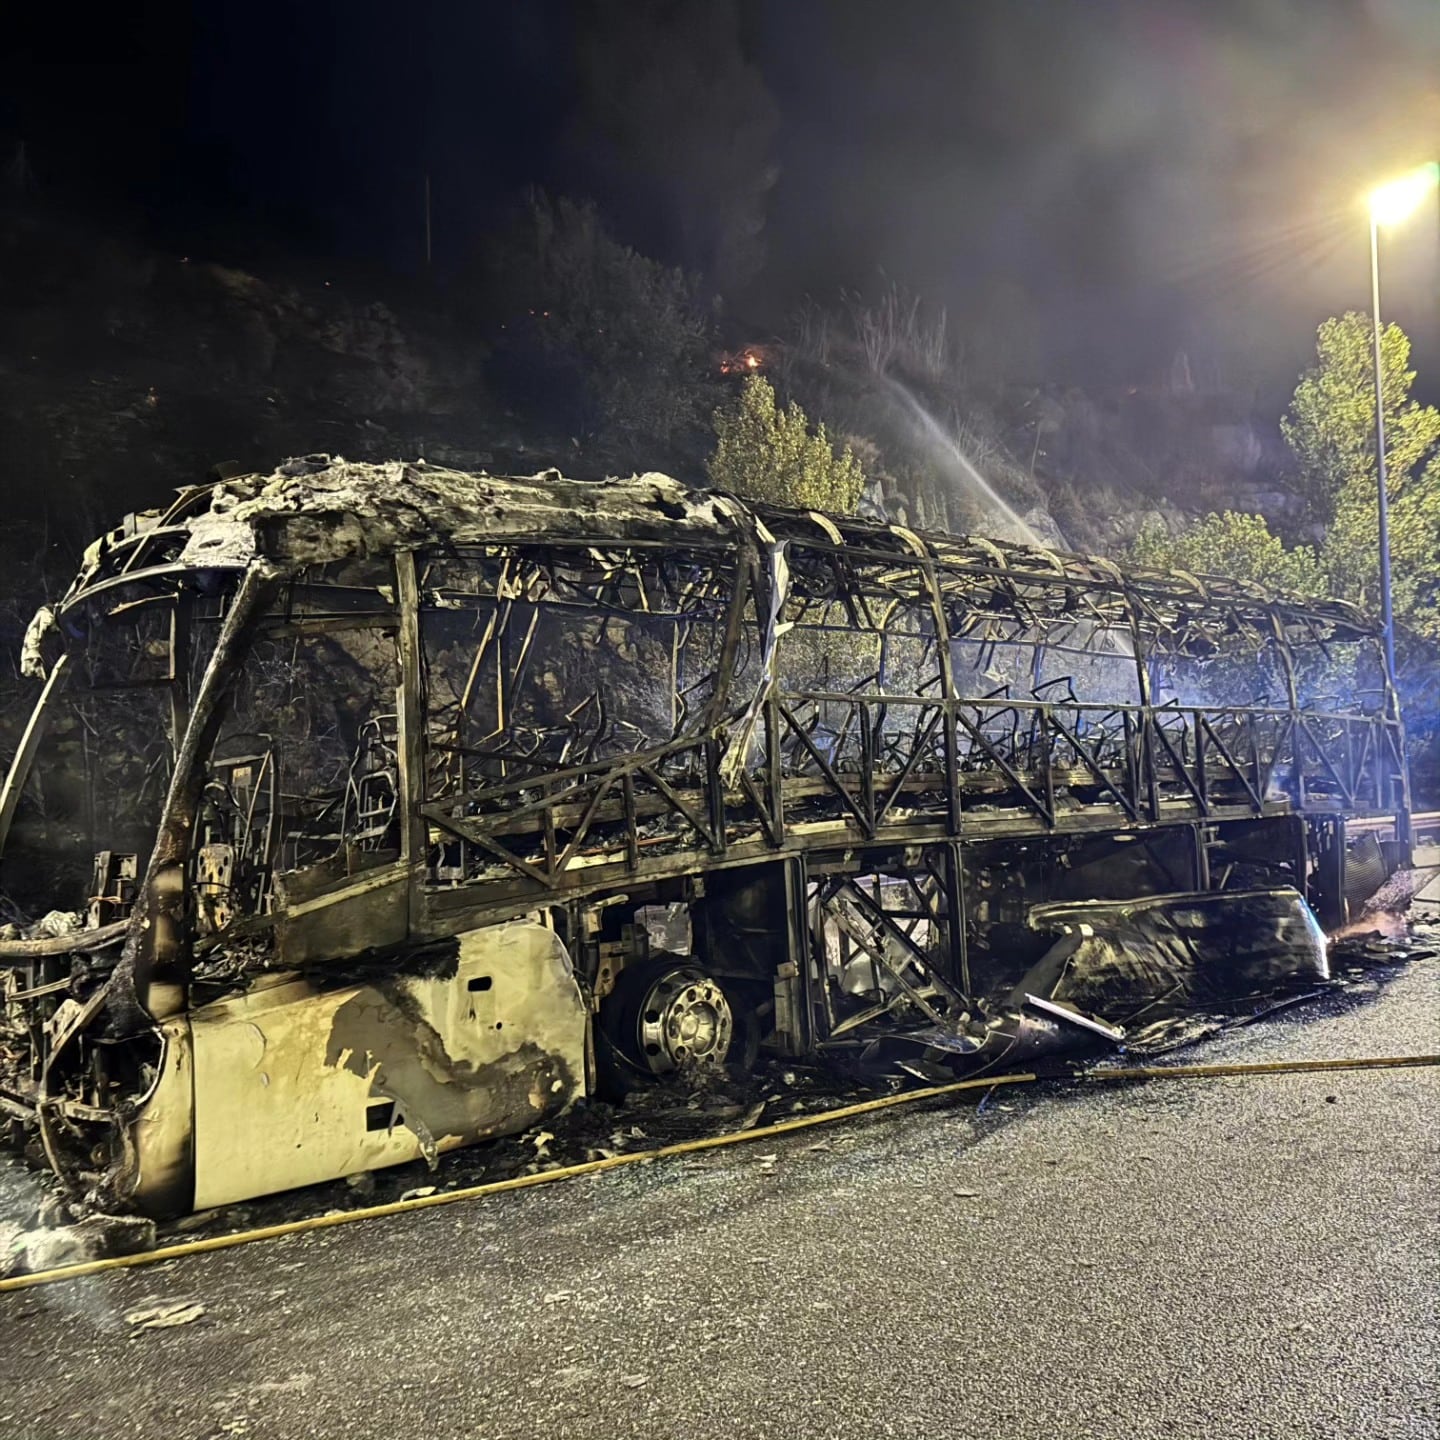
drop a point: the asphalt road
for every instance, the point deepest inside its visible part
(1248, 1259)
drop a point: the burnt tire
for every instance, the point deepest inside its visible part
(667, 1019)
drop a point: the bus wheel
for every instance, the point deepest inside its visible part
(667, 1016)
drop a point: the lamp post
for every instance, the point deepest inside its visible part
(1388, 205)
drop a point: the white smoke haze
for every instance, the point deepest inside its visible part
(27, 1203)
(1151, 177)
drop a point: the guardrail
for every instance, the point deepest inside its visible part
(1424, 826)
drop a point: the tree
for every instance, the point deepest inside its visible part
(594, 336)
(1330, 425)
(770, 454)
(1236, 545)
(1352, 547)
(1415, 543)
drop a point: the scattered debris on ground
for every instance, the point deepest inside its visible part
(165, 1315)
(97, 1237)
(651, 1116)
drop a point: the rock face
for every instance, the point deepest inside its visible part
(1112, 463)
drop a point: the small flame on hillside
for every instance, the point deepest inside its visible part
(743, 362)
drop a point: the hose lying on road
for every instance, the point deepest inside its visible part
(688, 1147)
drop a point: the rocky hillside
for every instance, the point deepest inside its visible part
(127, 373)
(1084, 471)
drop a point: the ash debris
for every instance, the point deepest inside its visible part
(38, 1228)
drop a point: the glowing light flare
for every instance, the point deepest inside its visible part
(1393, 202)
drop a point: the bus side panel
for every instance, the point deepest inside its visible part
(295, 1085)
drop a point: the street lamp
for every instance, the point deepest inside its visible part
(1388, 206)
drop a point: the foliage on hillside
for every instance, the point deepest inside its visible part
(1239, 546)
(1330, 428)
(595, 336)
(1351, 551)
(770, 453)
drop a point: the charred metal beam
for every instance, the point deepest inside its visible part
(155, 947)
(34, 733)
(413, 836)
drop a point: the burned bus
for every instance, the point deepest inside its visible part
(373, 810)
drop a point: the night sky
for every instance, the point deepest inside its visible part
(1107, 180)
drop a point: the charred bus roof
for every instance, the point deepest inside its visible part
(319, 510)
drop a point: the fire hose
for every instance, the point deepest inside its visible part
(712, 1142)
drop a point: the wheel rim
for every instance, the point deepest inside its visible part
(685, 1023)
